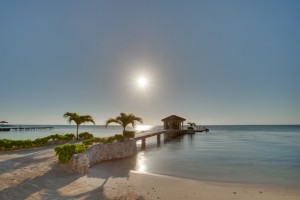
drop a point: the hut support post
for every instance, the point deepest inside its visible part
(158, 138)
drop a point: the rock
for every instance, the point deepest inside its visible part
(102, 152)
(79, 163)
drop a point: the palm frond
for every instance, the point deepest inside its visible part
(111, 120)
(88, 118)
(124, 120)
(72, 116)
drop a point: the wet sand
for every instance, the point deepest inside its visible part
(36, 174)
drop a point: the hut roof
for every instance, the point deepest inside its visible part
(173, 118)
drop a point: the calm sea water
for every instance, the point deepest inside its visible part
(267, 155)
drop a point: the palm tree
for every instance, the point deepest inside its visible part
(192, 125)
(78, 119)
(124, 119)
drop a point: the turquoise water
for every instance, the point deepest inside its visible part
(268, 155)
(249, 154)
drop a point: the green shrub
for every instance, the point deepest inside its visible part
(8, 144)
(40, 141)
(69, 136)
(128, 134)
(85, 135)
(94, 140)
(58, 137)
(110, 139)
(88, 142)
(119, 138)
(64, 152)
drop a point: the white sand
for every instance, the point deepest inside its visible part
(35, 174)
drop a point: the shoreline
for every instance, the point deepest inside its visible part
(250, 184)
(196, 189)
(36, 174)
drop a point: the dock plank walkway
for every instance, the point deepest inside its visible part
(167, 133)
(148, 134)
(144, 135)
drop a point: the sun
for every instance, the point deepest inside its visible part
(142, 82)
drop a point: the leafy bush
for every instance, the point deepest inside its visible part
(70, 136)
(85, 135)
(8, 144)
(119, 138)
(58, 137)
(128, 134)
(94, 140)
(110, 139)
(64, 152)
(88, 142)
(40, 141)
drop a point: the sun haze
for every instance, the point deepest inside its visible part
(142, 82)
(213, 62)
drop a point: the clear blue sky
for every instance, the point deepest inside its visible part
(212, 62)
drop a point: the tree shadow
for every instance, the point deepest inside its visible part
(19, 159)
(60, 178)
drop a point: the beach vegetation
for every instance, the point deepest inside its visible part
(78, 119)
(128, 134)
(115, 138)
(119, 137)
(124, 120)
(85, 135)
(64, 152)
(8, 144)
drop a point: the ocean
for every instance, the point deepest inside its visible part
(267, 155)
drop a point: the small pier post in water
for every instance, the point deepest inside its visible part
(158, 138)
(144, 136)
(143, 143)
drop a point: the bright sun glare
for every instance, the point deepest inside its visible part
(142, 82)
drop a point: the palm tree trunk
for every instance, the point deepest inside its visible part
(77, 132)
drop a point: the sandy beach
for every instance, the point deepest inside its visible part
(36, 174)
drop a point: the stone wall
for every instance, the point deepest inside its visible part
(102, 152)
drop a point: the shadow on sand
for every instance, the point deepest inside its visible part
(59, 181)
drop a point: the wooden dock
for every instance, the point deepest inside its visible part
(145, 135)
(167, 134)
(25, 128)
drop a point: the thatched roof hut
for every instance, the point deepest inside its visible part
(173, 122)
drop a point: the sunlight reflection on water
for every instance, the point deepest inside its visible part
(143, 127)
(140, 164)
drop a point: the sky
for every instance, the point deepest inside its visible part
(211, 62)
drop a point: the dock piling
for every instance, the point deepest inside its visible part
(143, 143)
(158, 138)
